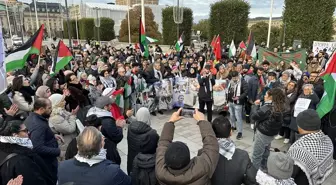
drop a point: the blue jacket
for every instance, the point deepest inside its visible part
(103, 173)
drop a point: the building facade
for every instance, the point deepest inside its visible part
(133, 2)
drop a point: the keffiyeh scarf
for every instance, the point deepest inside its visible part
(313, 153)
(226, 148)
(94, 160)
(265, 179)
(25, 142)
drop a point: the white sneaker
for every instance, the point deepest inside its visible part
(278, 137)
(286, 141)
(252, 126)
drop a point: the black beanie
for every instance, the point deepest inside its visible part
(177, 155)
(309, 120)
(149, 144)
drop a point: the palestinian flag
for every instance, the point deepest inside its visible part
(128, 88)
(232, 51)
(151, 40)
(213, 41)
(179, 43)
(62, 58)
(242, 45)
(143, 40)
(329, 76)
(119, 98)
(251, 49)
(17, 59)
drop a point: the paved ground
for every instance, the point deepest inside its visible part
(187, 131)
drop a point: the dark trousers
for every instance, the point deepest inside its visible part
(248, 106)
(209, 108)
(285, 132)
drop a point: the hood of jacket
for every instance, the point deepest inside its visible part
(145, 160)
(138, 127)
(99, 112)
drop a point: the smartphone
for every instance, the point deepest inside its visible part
(187, 112)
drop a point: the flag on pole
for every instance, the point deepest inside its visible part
(242, 45)
(62, 58)
(251, 49)
(151, 40)
(213, 41)
(232, 50)
(17, 59)
(218, 49)
(179, 43)
(119, 98)
(3, 75)
(142, 40)
(128, 88)
(329, 76)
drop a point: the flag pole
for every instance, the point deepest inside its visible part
(270, 24)
(129, 24)
(143, 14)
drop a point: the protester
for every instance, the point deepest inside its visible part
(23, 94)
(227, 170)
(312, 152)
(90, 165)
(43, 92)
(173, 163)
(206, 82)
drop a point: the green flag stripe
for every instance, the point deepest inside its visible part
(18, 59)
(327, 102)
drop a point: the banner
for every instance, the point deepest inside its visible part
(3, 75)
(219, 93)
(318, 46)
(298, 56)
(185, 92)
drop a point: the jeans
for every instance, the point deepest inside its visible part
(209, 108)
(236, 113)
(261, 150)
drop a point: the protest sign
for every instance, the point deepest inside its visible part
(319, 45)
(298, 56)
(219, 93)
(301, 105)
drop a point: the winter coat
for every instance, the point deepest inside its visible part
(103, 173)
(229, 173)
(22, 104)
(5, 102)
(243, 94)
(63, 122)
(200, 169)
(94, 94)
(112, 153)
(138, 133)
(204, 92)
(44, 141)
(143, 172)
(26, 163)
(269, 123)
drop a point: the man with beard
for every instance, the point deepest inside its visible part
(317, 82)
(43, 139)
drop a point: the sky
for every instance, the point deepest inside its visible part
(201, 8)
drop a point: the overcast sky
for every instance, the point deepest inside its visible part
(201, 8)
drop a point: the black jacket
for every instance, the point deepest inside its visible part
(204, 92)
(150, 77)
(138, 133)
(269, 122)
(229, 173)
(243, 93)
(112, 153)
(26, 163)
(143, 172)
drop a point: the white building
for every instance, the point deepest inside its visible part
(117, 13)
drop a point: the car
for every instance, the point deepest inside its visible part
(17, 41)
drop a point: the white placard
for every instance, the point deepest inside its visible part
(319, 45)
(301, 104)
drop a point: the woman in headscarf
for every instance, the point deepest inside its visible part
(139, 132)
(43, 92)
(62, 121)
(15, 145)
(23, 94)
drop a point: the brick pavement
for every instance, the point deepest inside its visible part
(187, 131)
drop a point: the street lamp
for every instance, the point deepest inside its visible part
(178, 14)
(270, 25)
(97, 21)
(68, 22)
(77, 22)
(21, 21)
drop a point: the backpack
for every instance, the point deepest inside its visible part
(143, 176)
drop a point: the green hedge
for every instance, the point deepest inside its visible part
(229, 19)
(169, 28)
(106, 29)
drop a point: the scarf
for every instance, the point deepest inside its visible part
(265, 179)
(25, 142)
(156, 74)
(210, 86)
(236, 88)
(27, 93)
(108, 82)
(226, 148)
(94, 160)
(261, 84)
(313, 153)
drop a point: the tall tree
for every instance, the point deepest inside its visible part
(169, 28)
(203, 26)
(309, 21)
(260, 31)
(229, 19)
(152, 28)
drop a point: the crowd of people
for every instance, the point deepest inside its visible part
(65, 128)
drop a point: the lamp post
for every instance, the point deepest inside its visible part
(270, 24)
(77, 24)
(36, 17)
(129, 24)
(178, 14)
(49, 30)
(21, 21)
(68, 22)
(61, 13)
(97, 22)
(31, 19)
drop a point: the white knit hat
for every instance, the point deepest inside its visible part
(56, 99)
